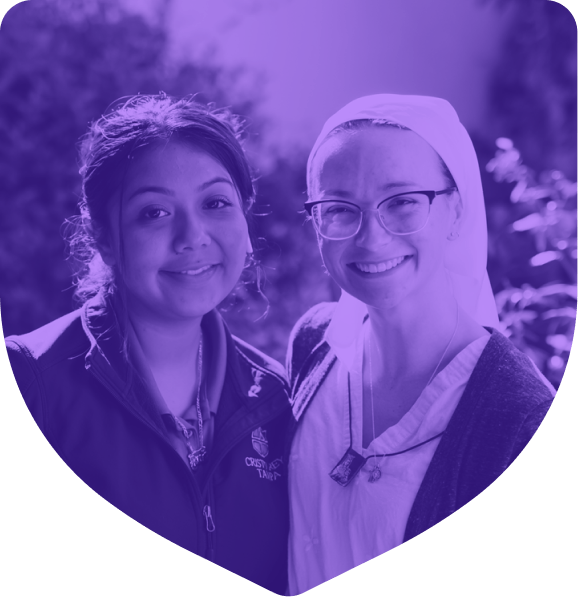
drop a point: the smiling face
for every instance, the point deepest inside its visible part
(366, 166)
(184, 233)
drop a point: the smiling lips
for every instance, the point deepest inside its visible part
(192, 272)
(197, 271)
(380, 267)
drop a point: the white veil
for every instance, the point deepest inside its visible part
(437, 123)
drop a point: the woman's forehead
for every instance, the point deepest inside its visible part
(375, 155)
(174, 153)
(173, 168)
(174, 163)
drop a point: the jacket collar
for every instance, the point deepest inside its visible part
(246, 375)
(102, 327)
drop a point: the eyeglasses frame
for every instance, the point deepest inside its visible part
(431, 194)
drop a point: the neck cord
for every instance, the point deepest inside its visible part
(195, 456)
(376, 471)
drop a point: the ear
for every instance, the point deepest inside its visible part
(456, 214)
(106, 251)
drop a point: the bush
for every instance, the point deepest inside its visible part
(539, 317)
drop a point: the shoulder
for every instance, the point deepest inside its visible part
(50, 344)
(309, 330)
(41, 361)
(259, 362)
(512, 373)
(316, 319)
(506, 399)
(307, 335)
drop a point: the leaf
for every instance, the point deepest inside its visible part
(504, 143)
(565, 313)
(544, 257)
(530, 222)
(560, 342)
(517, 194)
(558, 288)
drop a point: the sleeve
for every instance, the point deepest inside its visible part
(529, 427)
(28, 380)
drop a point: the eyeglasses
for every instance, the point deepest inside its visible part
(401, 214)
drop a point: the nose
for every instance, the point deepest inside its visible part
(190, 233)
(372, 233)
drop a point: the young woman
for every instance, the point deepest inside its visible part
(143, 391)
(407, 404)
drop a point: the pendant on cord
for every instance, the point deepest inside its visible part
(375, 474)
(196, 457)
(348, 467)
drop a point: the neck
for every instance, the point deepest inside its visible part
(409, 340)
(168, 345)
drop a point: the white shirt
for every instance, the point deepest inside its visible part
(335, 528)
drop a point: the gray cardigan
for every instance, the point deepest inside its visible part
(501, 408)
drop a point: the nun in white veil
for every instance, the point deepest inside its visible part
(407, 402)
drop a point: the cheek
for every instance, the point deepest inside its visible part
(141, 247)
(430, 248)
(233, 238)
(143, 255)
(331, 253)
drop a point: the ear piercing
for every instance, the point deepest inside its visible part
(454, 235)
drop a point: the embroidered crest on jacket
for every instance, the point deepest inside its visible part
(260, 443)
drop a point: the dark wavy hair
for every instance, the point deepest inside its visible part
(105, 155)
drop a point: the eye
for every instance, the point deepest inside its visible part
(337, 209)
(402, 201)
(217, 203)
(153, 213)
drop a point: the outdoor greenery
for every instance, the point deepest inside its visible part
(540, 317)
(62, 62)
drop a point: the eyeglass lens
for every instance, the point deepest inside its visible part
(401, 214)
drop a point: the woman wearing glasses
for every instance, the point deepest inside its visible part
(407, 403)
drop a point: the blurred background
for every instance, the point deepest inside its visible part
(507, 66)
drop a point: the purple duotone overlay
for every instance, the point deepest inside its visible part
(66, 63)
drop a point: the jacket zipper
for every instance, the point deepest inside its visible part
(209, 518)
(210, 525)
(208, 491)
(197, 496)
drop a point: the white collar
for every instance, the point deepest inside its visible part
(345, 327)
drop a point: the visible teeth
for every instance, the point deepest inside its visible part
(380, 267)
(196, 271)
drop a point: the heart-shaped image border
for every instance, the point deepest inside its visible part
(59, 534)
(60, 537)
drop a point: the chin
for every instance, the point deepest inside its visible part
(377, 298)
(190, 312)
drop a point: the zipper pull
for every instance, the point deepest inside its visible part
(209, 518)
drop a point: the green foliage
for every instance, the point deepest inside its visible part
(532, 218)
(539, 318)
(62, 62)
(532, 92)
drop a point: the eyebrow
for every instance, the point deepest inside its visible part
(211, 182)
(151, 188)
(385, 188)
(155, 189)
